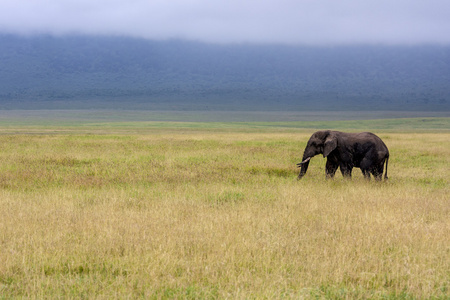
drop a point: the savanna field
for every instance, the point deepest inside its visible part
(214, 210)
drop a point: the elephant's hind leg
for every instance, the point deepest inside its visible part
(378, 172)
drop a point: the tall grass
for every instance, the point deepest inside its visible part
(218, 214)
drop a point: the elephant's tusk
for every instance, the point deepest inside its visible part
(306, 160)
(303, 162)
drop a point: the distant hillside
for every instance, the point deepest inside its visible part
(126, 73)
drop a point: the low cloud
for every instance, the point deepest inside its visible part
(232, 21)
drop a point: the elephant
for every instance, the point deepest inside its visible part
(362, 150)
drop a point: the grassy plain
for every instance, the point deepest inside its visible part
(214, 210)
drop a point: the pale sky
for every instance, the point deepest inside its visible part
(316, 22)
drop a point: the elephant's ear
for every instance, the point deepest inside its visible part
(330, 145)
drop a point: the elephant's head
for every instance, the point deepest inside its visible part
(321, 142)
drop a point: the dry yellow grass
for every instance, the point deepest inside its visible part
(203, 214)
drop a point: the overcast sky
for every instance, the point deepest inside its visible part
(236, 21)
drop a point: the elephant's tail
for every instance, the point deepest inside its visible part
(385, 173)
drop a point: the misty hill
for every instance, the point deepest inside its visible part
(127, 73)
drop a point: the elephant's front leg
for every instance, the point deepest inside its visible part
(346, 170)
(365, 166)
(366, 173)
(330, 169)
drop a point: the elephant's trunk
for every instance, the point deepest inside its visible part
(304, 167)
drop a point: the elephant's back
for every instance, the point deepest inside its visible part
(379, 145)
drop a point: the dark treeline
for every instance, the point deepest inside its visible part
(127, 73)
